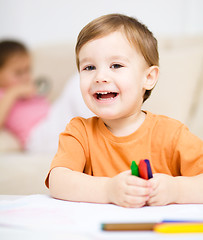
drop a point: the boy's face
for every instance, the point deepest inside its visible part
(112, 76)
(15, 71)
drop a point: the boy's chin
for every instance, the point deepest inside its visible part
(108, 116)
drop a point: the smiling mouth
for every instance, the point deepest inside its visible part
(105, 95)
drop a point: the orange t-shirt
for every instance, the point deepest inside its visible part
(88, 146)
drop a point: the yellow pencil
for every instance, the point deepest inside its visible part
(179, 227)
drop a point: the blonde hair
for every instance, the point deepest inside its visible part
(137, 34)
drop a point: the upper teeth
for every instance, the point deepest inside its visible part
(102, 92)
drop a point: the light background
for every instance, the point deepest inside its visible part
(47, 23)
(51, 22)
(38, 22)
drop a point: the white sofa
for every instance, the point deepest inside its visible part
(178, 94)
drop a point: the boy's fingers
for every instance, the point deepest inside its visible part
(153, 183)
(153, 193)
(137, 191)
(133, 180)
(135, 201)
(127, 172)
(153, 201)
(153, 197)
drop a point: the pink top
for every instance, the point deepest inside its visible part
(24, 115)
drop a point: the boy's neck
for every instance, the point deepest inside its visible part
(125, 126)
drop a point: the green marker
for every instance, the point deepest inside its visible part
(134, 169)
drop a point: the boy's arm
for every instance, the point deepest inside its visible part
(190, 189)
(168, 189)
(75, 186)
(123, 189)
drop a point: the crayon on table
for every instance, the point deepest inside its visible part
(179, 227)
(161, 227)
(128, 226)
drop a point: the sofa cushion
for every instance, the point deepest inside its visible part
(180, 75)
(8, 142)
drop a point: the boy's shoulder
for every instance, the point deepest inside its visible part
(164, 118)
(167, 124)
(77, 120)
(82, 123)
(82, 128)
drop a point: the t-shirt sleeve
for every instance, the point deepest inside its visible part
(73, 148)
(188, 154)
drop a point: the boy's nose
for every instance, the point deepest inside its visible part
(101, 81)
(101, 77)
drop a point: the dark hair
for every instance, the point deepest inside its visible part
(8, 48)
(137, 34)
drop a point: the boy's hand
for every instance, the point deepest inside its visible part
(164, 190)
(128, 191)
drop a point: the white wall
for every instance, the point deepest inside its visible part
(39, 22)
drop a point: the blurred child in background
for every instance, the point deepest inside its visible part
(26, 114)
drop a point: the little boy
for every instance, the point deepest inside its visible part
(118, 60)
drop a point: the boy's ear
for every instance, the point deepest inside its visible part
(151, 77)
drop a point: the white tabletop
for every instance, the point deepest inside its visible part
(10, 197)
(42, 217)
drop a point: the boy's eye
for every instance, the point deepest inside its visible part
(115, 66)
(90, 68)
